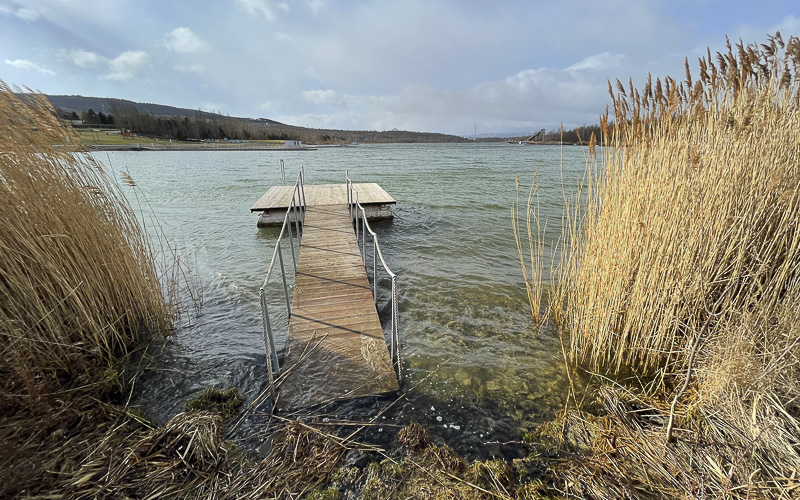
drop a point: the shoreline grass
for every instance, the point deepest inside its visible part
(79, 292)
(679, 285)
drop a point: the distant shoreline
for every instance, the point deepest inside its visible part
(153, 147)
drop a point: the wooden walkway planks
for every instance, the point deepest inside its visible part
(280, 197)
(334, 320)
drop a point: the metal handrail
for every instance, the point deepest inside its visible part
(355, 207)
(295, 212)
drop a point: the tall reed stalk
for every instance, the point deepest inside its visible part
(534, 287)
(78, 285)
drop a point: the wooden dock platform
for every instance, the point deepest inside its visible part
(336, 348)
(273, 204)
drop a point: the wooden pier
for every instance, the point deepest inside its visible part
(272, 206)
(336, 348)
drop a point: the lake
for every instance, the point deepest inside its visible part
(478, 370)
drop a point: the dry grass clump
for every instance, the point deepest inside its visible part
(186, 457)
(301, 459)
(683, 267)
(77, 279)
(624, 453)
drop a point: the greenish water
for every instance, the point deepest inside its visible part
(478, 370)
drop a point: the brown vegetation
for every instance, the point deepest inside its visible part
(79, 290)
(682, 267)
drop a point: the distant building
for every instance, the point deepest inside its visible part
(292, 143)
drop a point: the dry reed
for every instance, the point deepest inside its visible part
(682, 264)
(696, 198)
(535, 244)
(78, 289)
(76, 272)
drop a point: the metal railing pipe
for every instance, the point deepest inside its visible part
(293, 211)
(377, 254)
(285, 286)
(269, 341)
(291, 239)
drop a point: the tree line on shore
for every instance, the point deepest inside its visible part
(211, 126)
(203, 126)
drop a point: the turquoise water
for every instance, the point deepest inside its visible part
(478, 369)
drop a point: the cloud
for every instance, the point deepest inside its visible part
(602, 61)
(27, 14)
(126, 65)
(30, 66)
(273, 105)
(266, 8)
(788, 25)
(316, 6)
(192, 68)
(184, 40)
(330, 97)
(526, 100)
(84, 58)
(212, 107)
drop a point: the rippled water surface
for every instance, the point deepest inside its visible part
(477, 369)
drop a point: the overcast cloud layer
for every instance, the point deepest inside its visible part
(432, 65)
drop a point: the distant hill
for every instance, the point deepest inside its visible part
(160, 121)
(79, 104)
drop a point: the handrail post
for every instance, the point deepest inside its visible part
(288, 222)
(350, 205)
(374, 268)
(285, 286)
(396, 331)
(269, 341)
(303, 190)
(347, 192)
(364, 239)
(356, 218)
(296, 221)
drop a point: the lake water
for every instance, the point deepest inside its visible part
(478, 370)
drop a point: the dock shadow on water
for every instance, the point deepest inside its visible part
(477, 371)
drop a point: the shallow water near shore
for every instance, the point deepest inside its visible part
(477, 369)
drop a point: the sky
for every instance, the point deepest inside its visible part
(421, 65)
